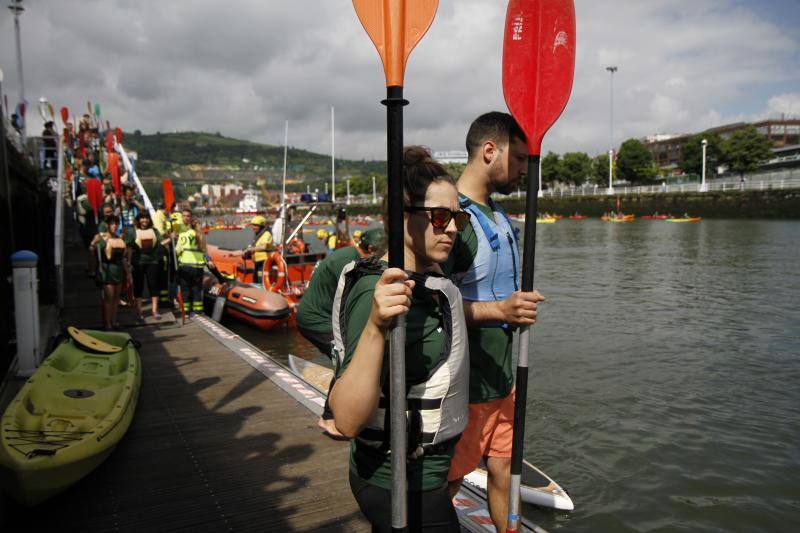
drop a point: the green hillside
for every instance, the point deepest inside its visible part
(162, 153)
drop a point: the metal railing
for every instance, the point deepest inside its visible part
(775, 180)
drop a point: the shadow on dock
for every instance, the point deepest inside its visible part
(214, 446)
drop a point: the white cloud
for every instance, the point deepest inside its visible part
(243, 67)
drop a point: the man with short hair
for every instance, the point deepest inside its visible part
(485, 265)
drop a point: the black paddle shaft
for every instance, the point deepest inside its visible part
(394, 136)
(397, 365)
(528, 256)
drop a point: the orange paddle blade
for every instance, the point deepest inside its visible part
(395, 27)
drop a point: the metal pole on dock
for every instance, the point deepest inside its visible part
(17, 8)
(374, 192)
(4, 169)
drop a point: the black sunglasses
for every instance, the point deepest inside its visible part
(441, 216)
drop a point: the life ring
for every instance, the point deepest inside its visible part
(275, 259)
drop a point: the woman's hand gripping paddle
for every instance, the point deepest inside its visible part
(538, 68)
(169, 201)
(395, 27)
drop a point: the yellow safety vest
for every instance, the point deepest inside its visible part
(160, 222)
(188, 251)
(265, 238)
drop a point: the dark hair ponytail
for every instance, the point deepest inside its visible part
(420, 170)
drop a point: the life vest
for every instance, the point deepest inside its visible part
(145, 239)
(262, 237)
(297, 246)
(189, 253)
(437, 407)
(115, 249)
(495, 272)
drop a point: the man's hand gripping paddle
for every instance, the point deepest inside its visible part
(395, 27)
(538, 68)
(169, 202)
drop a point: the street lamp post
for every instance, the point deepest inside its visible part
(333, 163)
(703, 184)
(16, 8)
(611, 70)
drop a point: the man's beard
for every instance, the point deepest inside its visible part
(504, 188)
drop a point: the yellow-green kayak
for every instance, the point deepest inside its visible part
(68, 417)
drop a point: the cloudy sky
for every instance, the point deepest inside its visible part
(242, 67)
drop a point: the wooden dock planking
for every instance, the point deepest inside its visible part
(214, 446)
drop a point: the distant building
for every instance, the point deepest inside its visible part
(666, 149)
(451, 156)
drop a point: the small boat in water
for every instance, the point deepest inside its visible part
(70, 414)
(618, 218)
(685, 219)
(248, 302)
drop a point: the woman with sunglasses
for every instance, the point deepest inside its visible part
(368, 299)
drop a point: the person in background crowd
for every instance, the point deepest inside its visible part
(260, 246)
(50, 143)
(328, 240)
(191, 250)
(147, 263)
(129, 207)
(113, 268)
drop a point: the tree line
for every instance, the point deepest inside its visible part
(744, 151)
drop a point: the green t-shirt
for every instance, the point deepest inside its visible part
(424, 339)
(490, 373)
(314, 312)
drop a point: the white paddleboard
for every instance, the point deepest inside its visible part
(537, 488)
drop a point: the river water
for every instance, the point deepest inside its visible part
(665, 374)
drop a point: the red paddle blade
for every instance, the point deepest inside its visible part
(109, 142)
(395, 27)
(94, 192)
(169, 194)
(113, 169)
(538, 64)
(118, 135)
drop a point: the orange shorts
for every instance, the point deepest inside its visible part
(489, 433)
